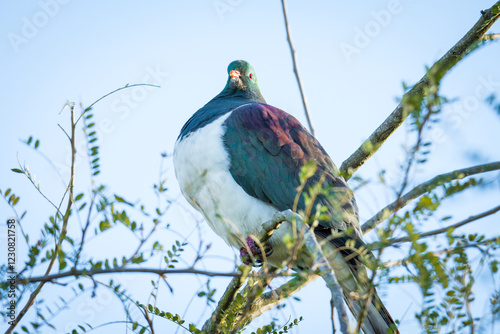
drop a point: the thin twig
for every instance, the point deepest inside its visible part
(116, 90)
(438, 70)
(296, 69)
(405, 261)
(62, 235)
(148, 319)
(490, 37)
(446, 229)
(424, 188)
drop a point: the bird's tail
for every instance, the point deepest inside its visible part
(377, 319)
(351, 275)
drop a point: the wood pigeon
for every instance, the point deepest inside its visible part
(238, 161)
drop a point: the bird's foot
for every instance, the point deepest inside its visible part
(256, 251)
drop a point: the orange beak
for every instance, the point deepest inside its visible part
(234, 74)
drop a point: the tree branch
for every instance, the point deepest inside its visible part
(491, 37)
(227, 298)
(445, 229)
(93, 272)
(424, 188)
(238, 281)
(272, 298)
(438, 70)
(447, 251)
(296, 69)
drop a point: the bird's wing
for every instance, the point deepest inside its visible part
(268, 147)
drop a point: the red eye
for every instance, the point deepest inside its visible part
(250, 76)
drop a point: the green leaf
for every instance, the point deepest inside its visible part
(37, 143)
(17, 170)
(79, 197)
(122, 200)
(104, 225)
(138, 259)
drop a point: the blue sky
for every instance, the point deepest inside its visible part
(353, 57)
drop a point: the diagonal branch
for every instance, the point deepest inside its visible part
(272, 298)
(446, 229)
(424, 188)
(238, 281)
(227, 298)
(296, 69)
(437, 71)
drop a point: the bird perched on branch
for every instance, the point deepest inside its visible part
(238, 161)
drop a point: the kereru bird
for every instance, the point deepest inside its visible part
(238, 162)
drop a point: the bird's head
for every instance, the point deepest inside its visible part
(242, 80)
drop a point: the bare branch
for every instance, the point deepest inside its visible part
(424, 188)
(445, 229)
(93, 272)
(296, 69)
(438, 70)
(110, 93)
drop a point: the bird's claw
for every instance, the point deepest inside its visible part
(258, 257)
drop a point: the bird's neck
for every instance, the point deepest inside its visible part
(217, 107)
(231, 93)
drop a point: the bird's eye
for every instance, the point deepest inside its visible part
(250, 76)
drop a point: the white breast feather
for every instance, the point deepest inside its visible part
(202, 169)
